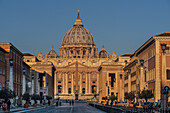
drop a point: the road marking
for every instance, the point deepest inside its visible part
(71, 109)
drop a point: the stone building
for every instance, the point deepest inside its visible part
(149, 67)
(111, 81)
(75, 69)
(13, 72)
(26, 79)
(2, 68)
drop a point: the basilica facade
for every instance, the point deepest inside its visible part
(76, 71)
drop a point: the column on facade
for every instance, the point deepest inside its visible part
(129, 82)
(89, 82)
(66, 74)
(120, 90)
(107, 78)
(141, 78)
(157, 94)
(11, 87)
(63, 87)
(23, 84)
(86, 83)
(163, 70)
(81, 52)
(55, 85)
(72, 83)
(81, 83)
(97, 83)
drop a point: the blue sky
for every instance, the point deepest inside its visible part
(120, 25)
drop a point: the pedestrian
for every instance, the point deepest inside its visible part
(49, 102)
(8, 105)
(60, 103)
(0, 105)
(57, 103)
(70, 102)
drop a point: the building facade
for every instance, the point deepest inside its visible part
(149, 67)
(2, 68)
(13, 72)
(75, 70)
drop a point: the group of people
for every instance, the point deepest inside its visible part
(5, 105)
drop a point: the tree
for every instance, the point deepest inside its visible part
(35, 98)
(112, 98)
(7, 94)
(130, 96)
(145, 94)
(26, 97)
(104, 98)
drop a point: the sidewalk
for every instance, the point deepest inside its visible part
(23, 109)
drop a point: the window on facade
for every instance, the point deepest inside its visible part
(112, 75)
(0, 86)
(69, 82)
(93, 81)
(69, 76)
(0, 57)
(69, 90)
(3, 85)
(59, 88)
(0, 70)
(83, 90)
(83, 81)
(59, 81)
(93, 89)
(93, 75)
(112, 93)
(168, 74)
(3, 70)
(84, 52)
(145, 75)
(59, 76)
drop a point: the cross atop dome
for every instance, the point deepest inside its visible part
(78, 20)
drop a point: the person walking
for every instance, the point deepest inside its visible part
(8, 105)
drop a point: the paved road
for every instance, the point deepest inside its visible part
(66, 108)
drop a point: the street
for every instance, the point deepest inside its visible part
(66, 108)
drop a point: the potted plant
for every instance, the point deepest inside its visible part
(112, 98)
(130, 96)
(26, 97)
(35, 98)
(6, 94)
(146, 94)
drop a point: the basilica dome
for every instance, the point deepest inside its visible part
(103, 53)
(78, 35)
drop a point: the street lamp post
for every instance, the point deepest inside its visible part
(11, 75)
(32, 84)
(23, 81)
(164, 97)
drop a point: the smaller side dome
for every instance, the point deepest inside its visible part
(103, 53)
(52, 53)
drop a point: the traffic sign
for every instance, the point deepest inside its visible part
(166, 88)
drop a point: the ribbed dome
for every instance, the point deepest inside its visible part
(78, 35)
(103, 53)
(52, 53)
